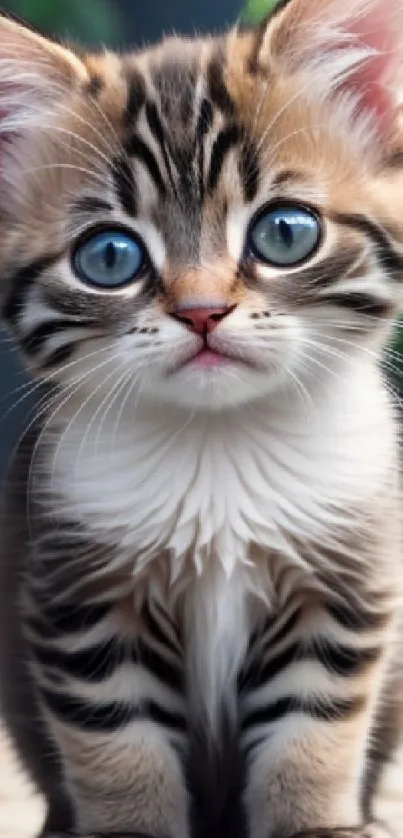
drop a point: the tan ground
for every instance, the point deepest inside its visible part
(21, 812)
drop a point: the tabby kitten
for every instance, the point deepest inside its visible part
(202, 257)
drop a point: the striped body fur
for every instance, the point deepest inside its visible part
(201, 581)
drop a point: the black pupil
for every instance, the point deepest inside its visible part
(286, 233)
(110, 255)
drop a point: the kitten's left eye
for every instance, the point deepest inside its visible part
(109, 259)
(284, 235)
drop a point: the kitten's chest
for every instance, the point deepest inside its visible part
(196, 496)
(212, 490)
(227, 511)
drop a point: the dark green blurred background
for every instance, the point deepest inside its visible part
(116, 23)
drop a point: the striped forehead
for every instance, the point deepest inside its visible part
(180, 127)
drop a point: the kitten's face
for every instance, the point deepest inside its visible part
(196, 225)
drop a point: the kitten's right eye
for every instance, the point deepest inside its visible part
(110, 259)
(284, 235)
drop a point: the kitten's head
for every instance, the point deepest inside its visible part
(206, 222)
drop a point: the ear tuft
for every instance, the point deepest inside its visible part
(34, 74)
(354, 47)
(36, 77)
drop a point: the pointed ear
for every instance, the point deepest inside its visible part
(36, 76)
(349, 46)
(34, 73)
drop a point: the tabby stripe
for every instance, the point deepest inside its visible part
(217, 89)
(249, 170)
(157, 633)
(164, 615)
(225, 140)
(110, 716)
(204, 120)
(125, 186)
(94, 664)
(90, 204)
(136, 96)
(204, 123)
(360, 302)
(286, 628)
(21, 282)
(94, 86)
(327, 271)
(138, 149)
(390, 259)
(33, 342)
(279, 634)
(249, 671)
(170, 673)
(73, 618)
(59, 357)
(355, 617)
(279, 662)
(327, 710)
(168, 718)
(106, 717)
(287, 177)
(338, 659)
(258, 673)
(157, 130)
(310, 280)
(344, 661)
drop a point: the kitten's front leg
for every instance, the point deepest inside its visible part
(115, 707)
(121, 756)
(307, 707)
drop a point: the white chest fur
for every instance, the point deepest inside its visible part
(215, 483)
(210, 486)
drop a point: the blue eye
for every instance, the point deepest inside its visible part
(109, 259)
(285, 235)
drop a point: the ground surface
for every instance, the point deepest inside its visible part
(21, 812)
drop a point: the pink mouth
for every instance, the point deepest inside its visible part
(208, 358)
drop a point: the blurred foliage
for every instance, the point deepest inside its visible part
(255, 10)
(90, 21)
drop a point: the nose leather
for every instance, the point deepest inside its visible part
(203, 320)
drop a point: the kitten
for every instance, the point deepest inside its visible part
(202, 259)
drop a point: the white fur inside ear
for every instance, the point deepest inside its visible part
(35, 73)
(354, 49)
(25, 96)
(36, 79)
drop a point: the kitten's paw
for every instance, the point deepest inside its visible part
(370, 830)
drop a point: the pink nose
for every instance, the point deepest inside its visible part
(202, 320)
